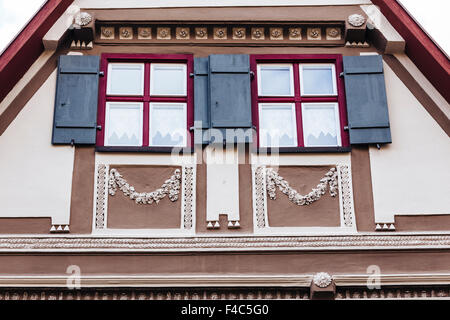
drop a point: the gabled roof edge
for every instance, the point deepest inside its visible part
(420, 47)
(21, 53)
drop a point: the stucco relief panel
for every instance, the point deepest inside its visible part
(144, 199)
(280, 208)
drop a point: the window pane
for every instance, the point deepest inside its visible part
(277, 125)
(275, 80)
(123, 124)
(320, 124)
(168, 79)
(168, 124)
(126, 79)
(317, 80)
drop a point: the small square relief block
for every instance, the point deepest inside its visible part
(239, 33)
(201, 33)
(163, 33)
(314, 34)
(295, 33)
(182, 33)
(276, 33)
(220, 33)
(126, 33)
(333, 34)
(258, 33)
(107, 33)
(144, 33)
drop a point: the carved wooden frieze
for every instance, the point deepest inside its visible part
(319, 33)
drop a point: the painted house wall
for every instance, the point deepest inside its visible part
(36, 176)
(62, 182)
(411, 175)
(389, 196)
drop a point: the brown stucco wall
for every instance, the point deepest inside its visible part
(125, 213)
(306, 262)
(323, 213)
(81, 206)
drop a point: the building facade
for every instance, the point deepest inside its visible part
(241, 149)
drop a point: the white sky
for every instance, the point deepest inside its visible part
(431, 14)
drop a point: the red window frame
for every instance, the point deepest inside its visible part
(295, 60)
(146, 99)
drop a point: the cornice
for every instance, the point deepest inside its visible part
(219, 280)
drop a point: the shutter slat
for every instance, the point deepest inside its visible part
(201, 109)
(229, 87)
(368, 116)
(201, 112)
(75, 116)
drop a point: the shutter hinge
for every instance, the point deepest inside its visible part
(341, 74)
(98, 127)
(191, 75)
(101, 74)
(252, 74)
(345, 128)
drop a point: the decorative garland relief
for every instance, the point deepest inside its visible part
(170, 188)
(274, 180)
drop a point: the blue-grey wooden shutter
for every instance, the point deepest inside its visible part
(229, 91)
(75, 116)
(201, 101)
(365, 90)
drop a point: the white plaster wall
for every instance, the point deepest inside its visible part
(411, 175)
(222, 183)
(36, 176)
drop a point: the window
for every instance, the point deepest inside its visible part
(298, 101)
(145, 101)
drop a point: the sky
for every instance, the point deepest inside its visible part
(431, 14)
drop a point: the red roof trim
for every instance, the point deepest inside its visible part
(420, 48)
(27, 46)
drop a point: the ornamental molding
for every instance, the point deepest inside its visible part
(219, 280)
(170, 188)
(274, 180)
(406, 292)
(108, 181)
(326, 33)
(82, 18)
(356, 20)
(230, 293)
(322, 279)
(154, 294)
(66, 243)
(265, 180)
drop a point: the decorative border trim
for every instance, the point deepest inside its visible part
(245, 243)
(155, 294)
(306, 32)
(255, 293)
(346, 196)
(321, 279)
(171, 281)
(101, 196)
(188, 197)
